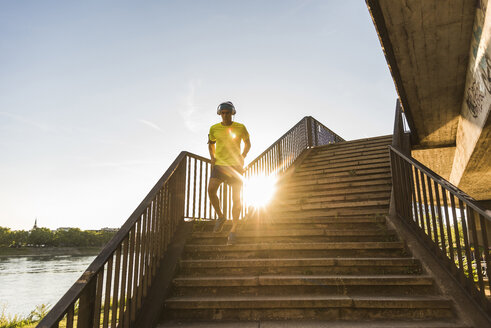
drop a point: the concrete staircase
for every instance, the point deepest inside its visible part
(322, 256)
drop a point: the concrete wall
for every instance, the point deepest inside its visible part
(471, 169)
(438, 159)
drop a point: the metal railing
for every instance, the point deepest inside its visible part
(448, 221)
(110, 293)
(278, 157)
(307, 133)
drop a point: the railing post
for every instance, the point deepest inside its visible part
(309, 131)
(225, 201)
(280, 156)
(400, 139)
(182, 196)
(86, 308)
(316, 132)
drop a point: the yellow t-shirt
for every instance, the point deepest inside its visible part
(228, 138)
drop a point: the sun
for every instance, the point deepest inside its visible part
(259, 190)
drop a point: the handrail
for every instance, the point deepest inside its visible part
(74, 292)
(302, 121)
(112, 289)
(307, 138)
(445, 184)
(133, 254)
(449, 222)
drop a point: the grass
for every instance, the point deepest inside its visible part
(33, 318)
(18, 321)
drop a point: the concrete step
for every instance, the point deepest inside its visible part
(324, 165)
(344, 161)
(346, 158)
(342, 170)
(331, 205)
(334, 197)
(344, 165)
(354, 192)
(316, 180)
(334, 307)
(341, 186)
(296, 250)
(311, 324)
(281, 222)
(342, 174)
(334, 157)
(386, 140)
(362, 220)
(309, 266)
(293, 235)
(294, 246)
(338, 150)
(374, 210)
(271, 285)
(342, 222)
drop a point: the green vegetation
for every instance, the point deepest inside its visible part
(31, 320)
(28, 321)
(456, 233)
(45, 237)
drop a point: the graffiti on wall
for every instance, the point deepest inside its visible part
(474, 99)
(485, 68)
(479, 88)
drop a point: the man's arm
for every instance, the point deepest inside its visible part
(247, 147)
(211, 149)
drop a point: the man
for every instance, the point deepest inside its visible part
(227, 160)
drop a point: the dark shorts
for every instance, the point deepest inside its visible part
(231, 175)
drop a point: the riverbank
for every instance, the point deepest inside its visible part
(49, 251)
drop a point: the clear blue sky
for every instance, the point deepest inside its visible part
(97, 98)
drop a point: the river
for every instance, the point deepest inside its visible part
(26, 282)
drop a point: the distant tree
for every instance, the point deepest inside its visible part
(6, 236)
(73, 237)
(20, 237)
(106, 236)
(62, 238)
(92, 238)
(41, 236)
(69, 238)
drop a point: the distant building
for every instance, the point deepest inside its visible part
(64, 228)
(35, 224)
(110, 229)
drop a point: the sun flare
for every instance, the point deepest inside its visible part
(259, 190)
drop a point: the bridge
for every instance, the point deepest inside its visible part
(389, 231)
(439, 54)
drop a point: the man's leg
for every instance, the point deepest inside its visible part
(213, 186)
(236, 209)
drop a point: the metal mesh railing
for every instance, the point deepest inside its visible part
(308, 132)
